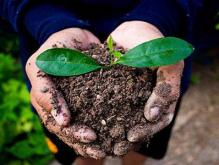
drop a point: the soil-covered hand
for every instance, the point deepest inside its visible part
(160, 107)
(50, 104)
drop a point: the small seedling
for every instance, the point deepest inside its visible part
(154, 53)
(113, 53)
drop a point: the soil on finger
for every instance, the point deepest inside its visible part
(110, 100)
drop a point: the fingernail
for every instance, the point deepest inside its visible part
(95, 153)
(84, 134)
(61, 117)
(153, 114)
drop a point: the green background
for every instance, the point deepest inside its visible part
(21, 137)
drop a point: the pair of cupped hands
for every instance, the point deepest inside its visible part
(159, 109)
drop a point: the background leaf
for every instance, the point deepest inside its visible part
(22, 150)
(22, 140)
(65, 62)
(158, 52)
(117, 54)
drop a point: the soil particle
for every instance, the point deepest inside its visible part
(111, 101)
(117, 132)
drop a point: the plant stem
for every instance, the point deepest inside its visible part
(111, 58)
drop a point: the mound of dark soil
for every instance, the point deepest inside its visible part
(110, 101)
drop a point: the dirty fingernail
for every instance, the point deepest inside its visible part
(153, 114)
(95, 153)
(60, 116)
(84, 134)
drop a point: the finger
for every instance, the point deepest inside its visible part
(88, 151)
(46, 95)
(70, 38)
(79, 133)
(122, 148)
(51, 100)
(95, 152)
(165, 93)
(78, 149)
(139, 33)
(71, 134)
(140, 133)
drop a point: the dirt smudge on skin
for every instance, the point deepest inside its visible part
(44, 89)
(163, 89)
(160, 76)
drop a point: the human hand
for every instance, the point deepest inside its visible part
(49, 103)
(160, 107)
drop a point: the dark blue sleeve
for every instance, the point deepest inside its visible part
(40, 19)
(44, 19)
(170, 16)
(166, 15)
(11, 10)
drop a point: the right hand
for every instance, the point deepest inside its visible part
(55, 114)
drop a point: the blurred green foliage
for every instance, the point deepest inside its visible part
(217, 24)
(195, 79)
(22, 141)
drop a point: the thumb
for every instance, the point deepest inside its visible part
(165, 93)
(46, 95)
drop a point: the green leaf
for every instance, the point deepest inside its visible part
(117, 54)
(158, 52)
(65, 62)
(21, 150)
(46, 159)
(110, 44)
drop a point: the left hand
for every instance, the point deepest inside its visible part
(48, 101)
(160, 107)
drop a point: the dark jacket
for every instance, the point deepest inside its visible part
(36, 20)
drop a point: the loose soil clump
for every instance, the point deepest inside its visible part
(110, 100)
